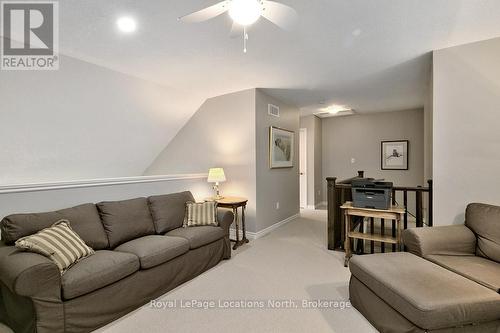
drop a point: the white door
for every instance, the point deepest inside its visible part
(303, 167)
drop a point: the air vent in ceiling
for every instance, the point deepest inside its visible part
(273, 110)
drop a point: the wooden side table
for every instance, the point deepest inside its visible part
(234, 203)
(394, 213)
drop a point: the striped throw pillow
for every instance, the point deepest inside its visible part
(201, 214)
(59, 243)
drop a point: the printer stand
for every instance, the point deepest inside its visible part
(394, 213)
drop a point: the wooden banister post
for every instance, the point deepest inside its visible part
(332, 203)
(418, 213)
(430, 204)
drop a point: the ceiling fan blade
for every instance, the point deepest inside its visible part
(206, 14)
(236, 30)
(282, 15)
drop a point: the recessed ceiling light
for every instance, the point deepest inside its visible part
(126, 24)
(334, 109)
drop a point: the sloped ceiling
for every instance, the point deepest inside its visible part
(83, 122)
(372, 55)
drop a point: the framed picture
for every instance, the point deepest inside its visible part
(281, 148)
(395, 155)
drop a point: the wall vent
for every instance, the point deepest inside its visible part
(273, 110)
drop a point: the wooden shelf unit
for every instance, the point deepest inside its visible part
(395, 213)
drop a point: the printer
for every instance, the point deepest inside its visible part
(371, 193)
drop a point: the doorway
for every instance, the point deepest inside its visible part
(303, 167)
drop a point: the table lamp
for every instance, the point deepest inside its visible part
(216, 175)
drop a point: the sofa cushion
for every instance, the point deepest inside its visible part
(97, 271)
(84, 220)
(199, 214)
(484, 220)
(59, 243)
(428, 295)
(155, 250)
(198, 236)
(169, 210)
(479, 269)
(126, 220)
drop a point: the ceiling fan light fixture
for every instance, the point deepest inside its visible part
(245, 12)
(334, 109)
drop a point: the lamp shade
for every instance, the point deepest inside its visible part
(216, 175)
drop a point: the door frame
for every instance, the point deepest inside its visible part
(303, 142)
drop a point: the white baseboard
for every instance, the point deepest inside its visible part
(263, 232)
(316, 206)
(321, 204)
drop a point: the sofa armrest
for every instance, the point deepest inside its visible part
(28, 274)
(225, 217)
(446, 240)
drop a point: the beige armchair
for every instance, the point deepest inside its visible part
(449, 282)
(471, 250)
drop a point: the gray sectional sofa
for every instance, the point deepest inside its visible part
(449, 282)
(142, 251)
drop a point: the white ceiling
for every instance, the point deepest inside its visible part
(372, 55)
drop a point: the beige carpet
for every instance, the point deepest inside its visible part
(291, 263)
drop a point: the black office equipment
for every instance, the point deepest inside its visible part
(371, 193)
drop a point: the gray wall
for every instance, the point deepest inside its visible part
(81, 122)
(360, 137)
(220, 134)
(428, 127)
(42, 201)
(466, 132)
(275, 185)
(232, 131)
(318, 162)
(314, 159)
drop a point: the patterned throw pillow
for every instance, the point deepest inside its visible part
(59, 243)
(201, 214)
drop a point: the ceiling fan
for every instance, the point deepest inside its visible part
(244, 13)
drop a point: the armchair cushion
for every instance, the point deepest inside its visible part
(447, 240)
(484, 220)
(478, 269)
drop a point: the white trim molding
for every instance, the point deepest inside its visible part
(33, 187)
(322, 204)
(263, 232)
